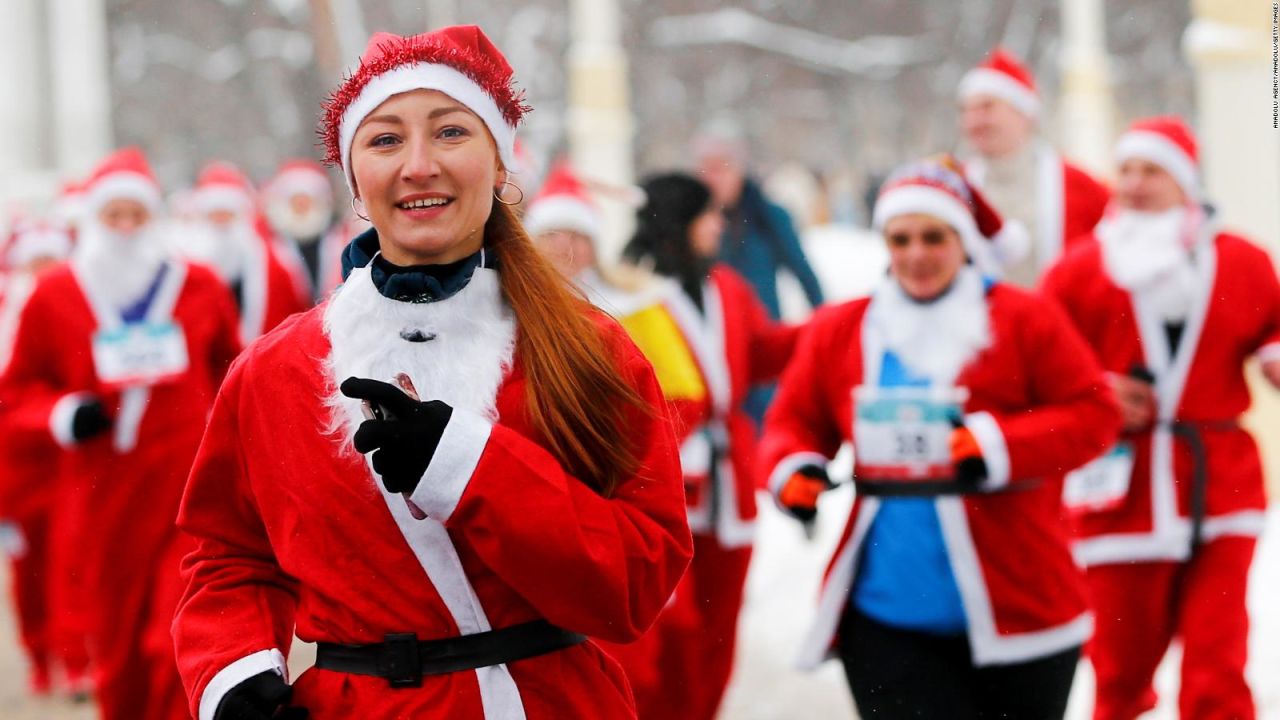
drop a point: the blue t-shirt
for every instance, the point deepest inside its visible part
(904, 574)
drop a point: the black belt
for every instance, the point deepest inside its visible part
(403, 659)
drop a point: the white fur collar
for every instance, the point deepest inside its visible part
(473, 338)
(935, 339)
(1151, 254)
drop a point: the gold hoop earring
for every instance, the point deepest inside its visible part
(497, 193)
(357, 212)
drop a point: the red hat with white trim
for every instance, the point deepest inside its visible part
(32, 240)
(937, 187)
(563, 204)
(221, 186)
(1168, 142)
(1003, 76)
(124, 174)
(69, 205)
(299, 176)
(459, 61)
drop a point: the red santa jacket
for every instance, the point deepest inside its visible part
(131, 477)
(1235, 313)
(294, 530)
(1038, 406)
(23, 463)
(270, 289)
(736, 345)
(1069, 202)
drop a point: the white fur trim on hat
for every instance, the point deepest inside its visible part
(123, 185)
(426, 76)
(221, 197)
(562, 213)
(300, 182)
(985, 81)
(925, 200)
(1156, 148)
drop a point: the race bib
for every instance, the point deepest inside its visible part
(139, 354)
(903, 433)
(1102, 484)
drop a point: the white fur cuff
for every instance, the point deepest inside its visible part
(995, 453)
(1269, 352)
(63, 416)
(450, 470)
(236, 673)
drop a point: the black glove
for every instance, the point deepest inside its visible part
(264, 696)
(971, 470)
(404, 432)
(90, 420)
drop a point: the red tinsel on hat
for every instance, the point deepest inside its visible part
(463, 48)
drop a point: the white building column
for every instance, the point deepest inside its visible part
(1229, 45)
(81, 107)
(23, 150)
(600, 124)
(1085, 114)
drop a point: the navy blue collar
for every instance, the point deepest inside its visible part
(414, 283)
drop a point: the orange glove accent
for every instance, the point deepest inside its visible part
(801, 492)
(964, 445)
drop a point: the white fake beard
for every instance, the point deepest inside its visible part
(1148, 254)
(304, 228)
(463, 365)
(119, 268)
(225, 249)
(935, 339)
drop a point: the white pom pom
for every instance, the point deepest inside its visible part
(1012, 243)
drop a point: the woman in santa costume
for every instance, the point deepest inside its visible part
(117, 359)
(298, 202)
(952, 592)
(1169, 518)
(232, 236)
(735, 345)
(449, 474)
(1020, 174)
(26, 500)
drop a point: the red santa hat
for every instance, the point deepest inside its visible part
(563, 204)
(69, 205)
(1003, 76)
(31, 240)
(221, 186)
(1167, 142)
(125, 174)
(299, 176)
(458, 61)
(937, 187)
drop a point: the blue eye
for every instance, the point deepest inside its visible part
(383, 140)
(453, 132)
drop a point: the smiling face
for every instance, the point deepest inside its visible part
(426, 169)
(925, 254)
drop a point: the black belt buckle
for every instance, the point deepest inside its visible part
(400, 661)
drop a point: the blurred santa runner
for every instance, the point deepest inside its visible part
(25, 500)
(231, 235)
(299, 204)
(117, 357)
(1018, 171)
